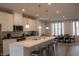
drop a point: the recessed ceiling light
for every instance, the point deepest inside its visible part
(64, 17)
(57, 11)
(49, 3)
(23, 10)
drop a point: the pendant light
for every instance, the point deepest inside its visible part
(39, 27)
(47, 27)
(27, 25)
(38, 15)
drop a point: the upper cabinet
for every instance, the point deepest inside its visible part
(18, 19)
(6, 21)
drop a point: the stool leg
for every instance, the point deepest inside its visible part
(43, 52)
(50, 50)
(53, 47)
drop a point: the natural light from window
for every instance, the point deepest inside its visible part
(57, 28)
(76, 28)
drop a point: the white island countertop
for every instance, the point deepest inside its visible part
(29, 45)
(32, 42)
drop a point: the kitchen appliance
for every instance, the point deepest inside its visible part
(17, 28)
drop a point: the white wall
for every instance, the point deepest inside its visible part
(68, 27)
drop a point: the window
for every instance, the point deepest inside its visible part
(57, 28)
(76, 28)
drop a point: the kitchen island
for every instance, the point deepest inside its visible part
(24, 48)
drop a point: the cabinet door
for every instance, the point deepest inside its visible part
(18, 19)
(6, 21)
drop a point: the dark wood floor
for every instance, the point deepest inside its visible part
(67, 49)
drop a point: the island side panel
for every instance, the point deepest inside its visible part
(16, 50)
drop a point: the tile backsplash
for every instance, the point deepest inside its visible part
(18, 34)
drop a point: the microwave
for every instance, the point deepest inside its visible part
(17, 28)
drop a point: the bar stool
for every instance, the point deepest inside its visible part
(51, 49)
(43, 51)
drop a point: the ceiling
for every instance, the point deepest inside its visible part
(43, 11)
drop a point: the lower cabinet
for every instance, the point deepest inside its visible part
(5, 46)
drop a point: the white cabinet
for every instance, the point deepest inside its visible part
(6, 21)
(6, 44)
(18, 19)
